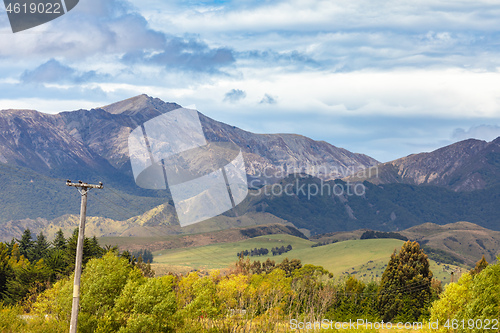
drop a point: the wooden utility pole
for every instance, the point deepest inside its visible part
(83, 188)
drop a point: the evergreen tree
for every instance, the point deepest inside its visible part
(59, 242)
(40, 248)
(91, 249)
(142, 253)
(480, 265)
(26, 244)
(57, 262)
(405, 288)
(95, 251)
(27, 278)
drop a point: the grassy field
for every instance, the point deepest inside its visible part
(217, 256)
(366, 259)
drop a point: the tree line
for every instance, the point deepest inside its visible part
(31, 264)
(371, 234)
(276, 251)
(252, 296)
(255, 252)
(144, 254)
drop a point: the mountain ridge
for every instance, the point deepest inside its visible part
(462, 166)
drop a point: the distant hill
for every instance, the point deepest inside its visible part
(153, 223)
(463, 239)
(461, 242)
(26, 194)
(463, 166)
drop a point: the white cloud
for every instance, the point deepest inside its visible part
(328, 15)
(48, 105)
(349, 35)
(481, 132)
(449, 94)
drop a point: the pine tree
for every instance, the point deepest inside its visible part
(95, 251)
(59, 242)
(91, 249)
(26, 244)
(405, 288)
(40, 247)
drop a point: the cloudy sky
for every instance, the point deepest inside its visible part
(384, 78)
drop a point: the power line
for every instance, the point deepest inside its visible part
(131, 214)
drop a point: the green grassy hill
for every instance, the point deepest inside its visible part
(366, 259)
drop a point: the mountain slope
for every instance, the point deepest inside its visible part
(463, 166)
(26, 194)
(386, 207)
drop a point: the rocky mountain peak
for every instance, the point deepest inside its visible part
(140, 104)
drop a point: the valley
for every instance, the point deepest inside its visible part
(365, 259)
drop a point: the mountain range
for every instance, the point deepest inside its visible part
(96, 141)
(38, 152)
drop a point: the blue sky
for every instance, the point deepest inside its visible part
(384, 78)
